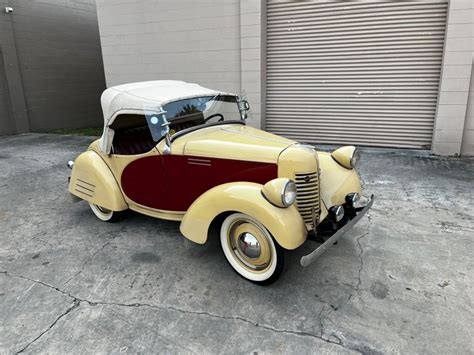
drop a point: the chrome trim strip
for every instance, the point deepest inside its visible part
(308, 259)
(202, 160)
(196, 163)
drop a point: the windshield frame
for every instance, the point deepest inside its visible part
(230, 98)
(205, 125)
(162, 113)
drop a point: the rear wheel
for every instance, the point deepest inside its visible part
(105, 214)
(250, 249)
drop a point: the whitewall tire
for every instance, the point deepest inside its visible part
(105, 214)
(250, 249)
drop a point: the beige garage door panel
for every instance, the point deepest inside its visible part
(362, 73)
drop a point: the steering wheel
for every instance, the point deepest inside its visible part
(215, 115)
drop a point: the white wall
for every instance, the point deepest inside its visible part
(455, 79)
(202, 41)
(196, 41)
(467, 147)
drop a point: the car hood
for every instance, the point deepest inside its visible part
(234, 141)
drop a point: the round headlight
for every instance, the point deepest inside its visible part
(352, 198)
(346, 156)
(280, 192)
(355, 158)
(337, 212)
(288, 196)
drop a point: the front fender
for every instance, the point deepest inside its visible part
(285, 224)
(92, 180)
(335, 182)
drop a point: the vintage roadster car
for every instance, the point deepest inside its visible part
(178, 151)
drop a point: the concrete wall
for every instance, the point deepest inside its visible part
(210, 42)
(455, 79)
(53, 63)
(467, 147)
(14, 117)
(146, 40)
(7, 124)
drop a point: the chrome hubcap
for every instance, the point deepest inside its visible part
(249, 245)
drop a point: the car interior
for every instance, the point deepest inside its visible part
(132, 135)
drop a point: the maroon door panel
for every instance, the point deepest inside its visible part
(174, 181)
(143, 180)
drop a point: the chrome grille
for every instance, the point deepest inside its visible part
(307, 195)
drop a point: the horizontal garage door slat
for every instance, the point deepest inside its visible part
(362, 73)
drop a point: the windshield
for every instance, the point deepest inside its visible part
(192, 112)
(222, 105)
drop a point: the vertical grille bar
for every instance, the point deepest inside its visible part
(307, 196)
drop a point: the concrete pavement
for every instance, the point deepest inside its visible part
(400, 282)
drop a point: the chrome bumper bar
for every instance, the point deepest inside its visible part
(308, 259)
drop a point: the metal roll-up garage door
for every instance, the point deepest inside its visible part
(360, 72)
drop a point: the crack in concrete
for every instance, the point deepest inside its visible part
(361, 259)
(321, 325)
(361, 266)
(86, 261)
(77, 301)
(74, 305)
(322, 336)
(231, 318)
(355, 347)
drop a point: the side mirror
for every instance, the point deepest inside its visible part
(245, 105)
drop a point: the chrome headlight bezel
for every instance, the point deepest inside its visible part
(280, 192)
(337, 213)
(355, 158)
(352, 198)
(288, 195)
(347, 156)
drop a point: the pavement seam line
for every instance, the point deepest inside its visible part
(86, 261)
(77, 301)
(232, 318)
(74, 305)
(357, 286)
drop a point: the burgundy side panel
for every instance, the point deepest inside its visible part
(144, 181)
(180, 180)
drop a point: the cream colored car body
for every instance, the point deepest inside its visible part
(96, 175)
(160, 154)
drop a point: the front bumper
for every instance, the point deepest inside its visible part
(308, 259)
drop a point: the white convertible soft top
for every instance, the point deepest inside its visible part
(141, 96)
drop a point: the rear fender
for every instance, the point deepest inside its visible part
(92, 180)
(285, 224)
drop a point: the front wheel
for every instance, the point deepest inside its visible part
(105, 214)
(250, 249)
